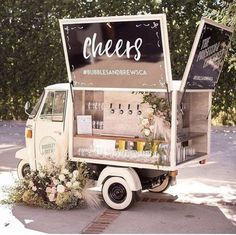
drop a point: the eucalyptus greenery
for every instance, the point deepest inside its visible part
(160, 105)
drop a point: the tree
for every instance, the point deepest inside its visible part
(224, 100)
(31, 55)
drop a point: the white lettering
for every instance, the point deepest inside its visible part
(138, 44)
(118, 47)
(97, 48)
(205, 43)
(87, 43)
(208, 51)
(108, 46)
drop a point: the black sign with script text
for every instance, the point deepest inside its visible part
(126, 54)
(209, 57)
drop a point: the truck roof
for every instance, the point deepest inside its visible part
(58, 86)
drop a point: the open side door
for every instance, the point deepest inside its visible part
(207, 56)
(122, 53)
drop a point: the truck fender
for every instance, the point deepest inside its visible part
(22, 154)
(129, 174)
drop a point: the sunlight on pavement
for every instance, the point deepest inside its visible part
(9, 223)
(190, 190)
(8, 178)
(208, 192)
(7, 147)
(5, 168)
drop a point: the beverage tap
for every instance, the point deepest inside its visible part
(121, 110)
(111, 109)
(129, 110)
(139, 112)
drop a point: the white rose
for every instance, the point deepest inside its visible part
(150, 111)
(51, 197)
(41, 174)
(145, 122)
(60, 188)
(76, 184)
(53, 190)
(154, 106)
(147, 132)
(65, 171)
(75, 173)
(48, 189)
(62, 177)
(55, 181)
(31, 184)
(34, 188)
(68, 184)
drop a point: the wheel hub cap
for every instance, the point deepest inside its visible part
(117, 193)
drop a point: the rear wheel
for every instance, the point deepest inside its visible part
(117, 194)
(165, 183)
(23, 169)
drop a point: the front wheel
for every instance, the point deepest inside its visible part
(117, 194)
(163, 186)
(23, 169)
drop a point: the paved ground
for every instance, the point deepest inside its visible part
(203, 201)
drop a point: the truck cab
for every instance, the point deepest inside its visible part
(46, 132)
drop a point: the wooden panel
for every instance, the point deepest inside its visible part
(200, 144)
(183, 111)
(123, 124)
(199, 107)
(78, 101)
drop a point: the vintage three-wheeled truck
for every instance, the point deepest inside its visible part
(101, 117)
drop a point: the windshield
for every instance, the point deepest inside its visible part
(36, 107)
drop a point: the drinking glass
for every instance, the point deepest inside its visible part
(94, 124)
(95, 105)
(102, 106)
(89, 105)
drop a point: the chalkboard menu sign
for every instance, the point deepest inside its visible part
(130, 52)
(207, 56)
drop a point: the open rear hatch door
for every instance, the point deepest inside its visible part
(207, 56)
(125, 52)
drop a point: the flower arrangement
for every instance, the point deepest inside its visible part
(147, 124)
(156, 126)
(148, 131)
(53, 187)
(160, 105)
(162, 114)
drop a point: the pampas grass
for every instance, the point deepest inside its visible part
(162, 128)
(90, 196)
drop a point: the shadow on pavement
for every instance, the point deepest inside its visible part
(144, 217)
(156, 217)
(55, 221)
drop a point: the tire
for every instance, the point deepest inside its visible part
(117, 194)
(23, 168)
(163, 186)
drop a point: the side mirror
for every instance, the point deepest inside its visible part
(27, 106)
